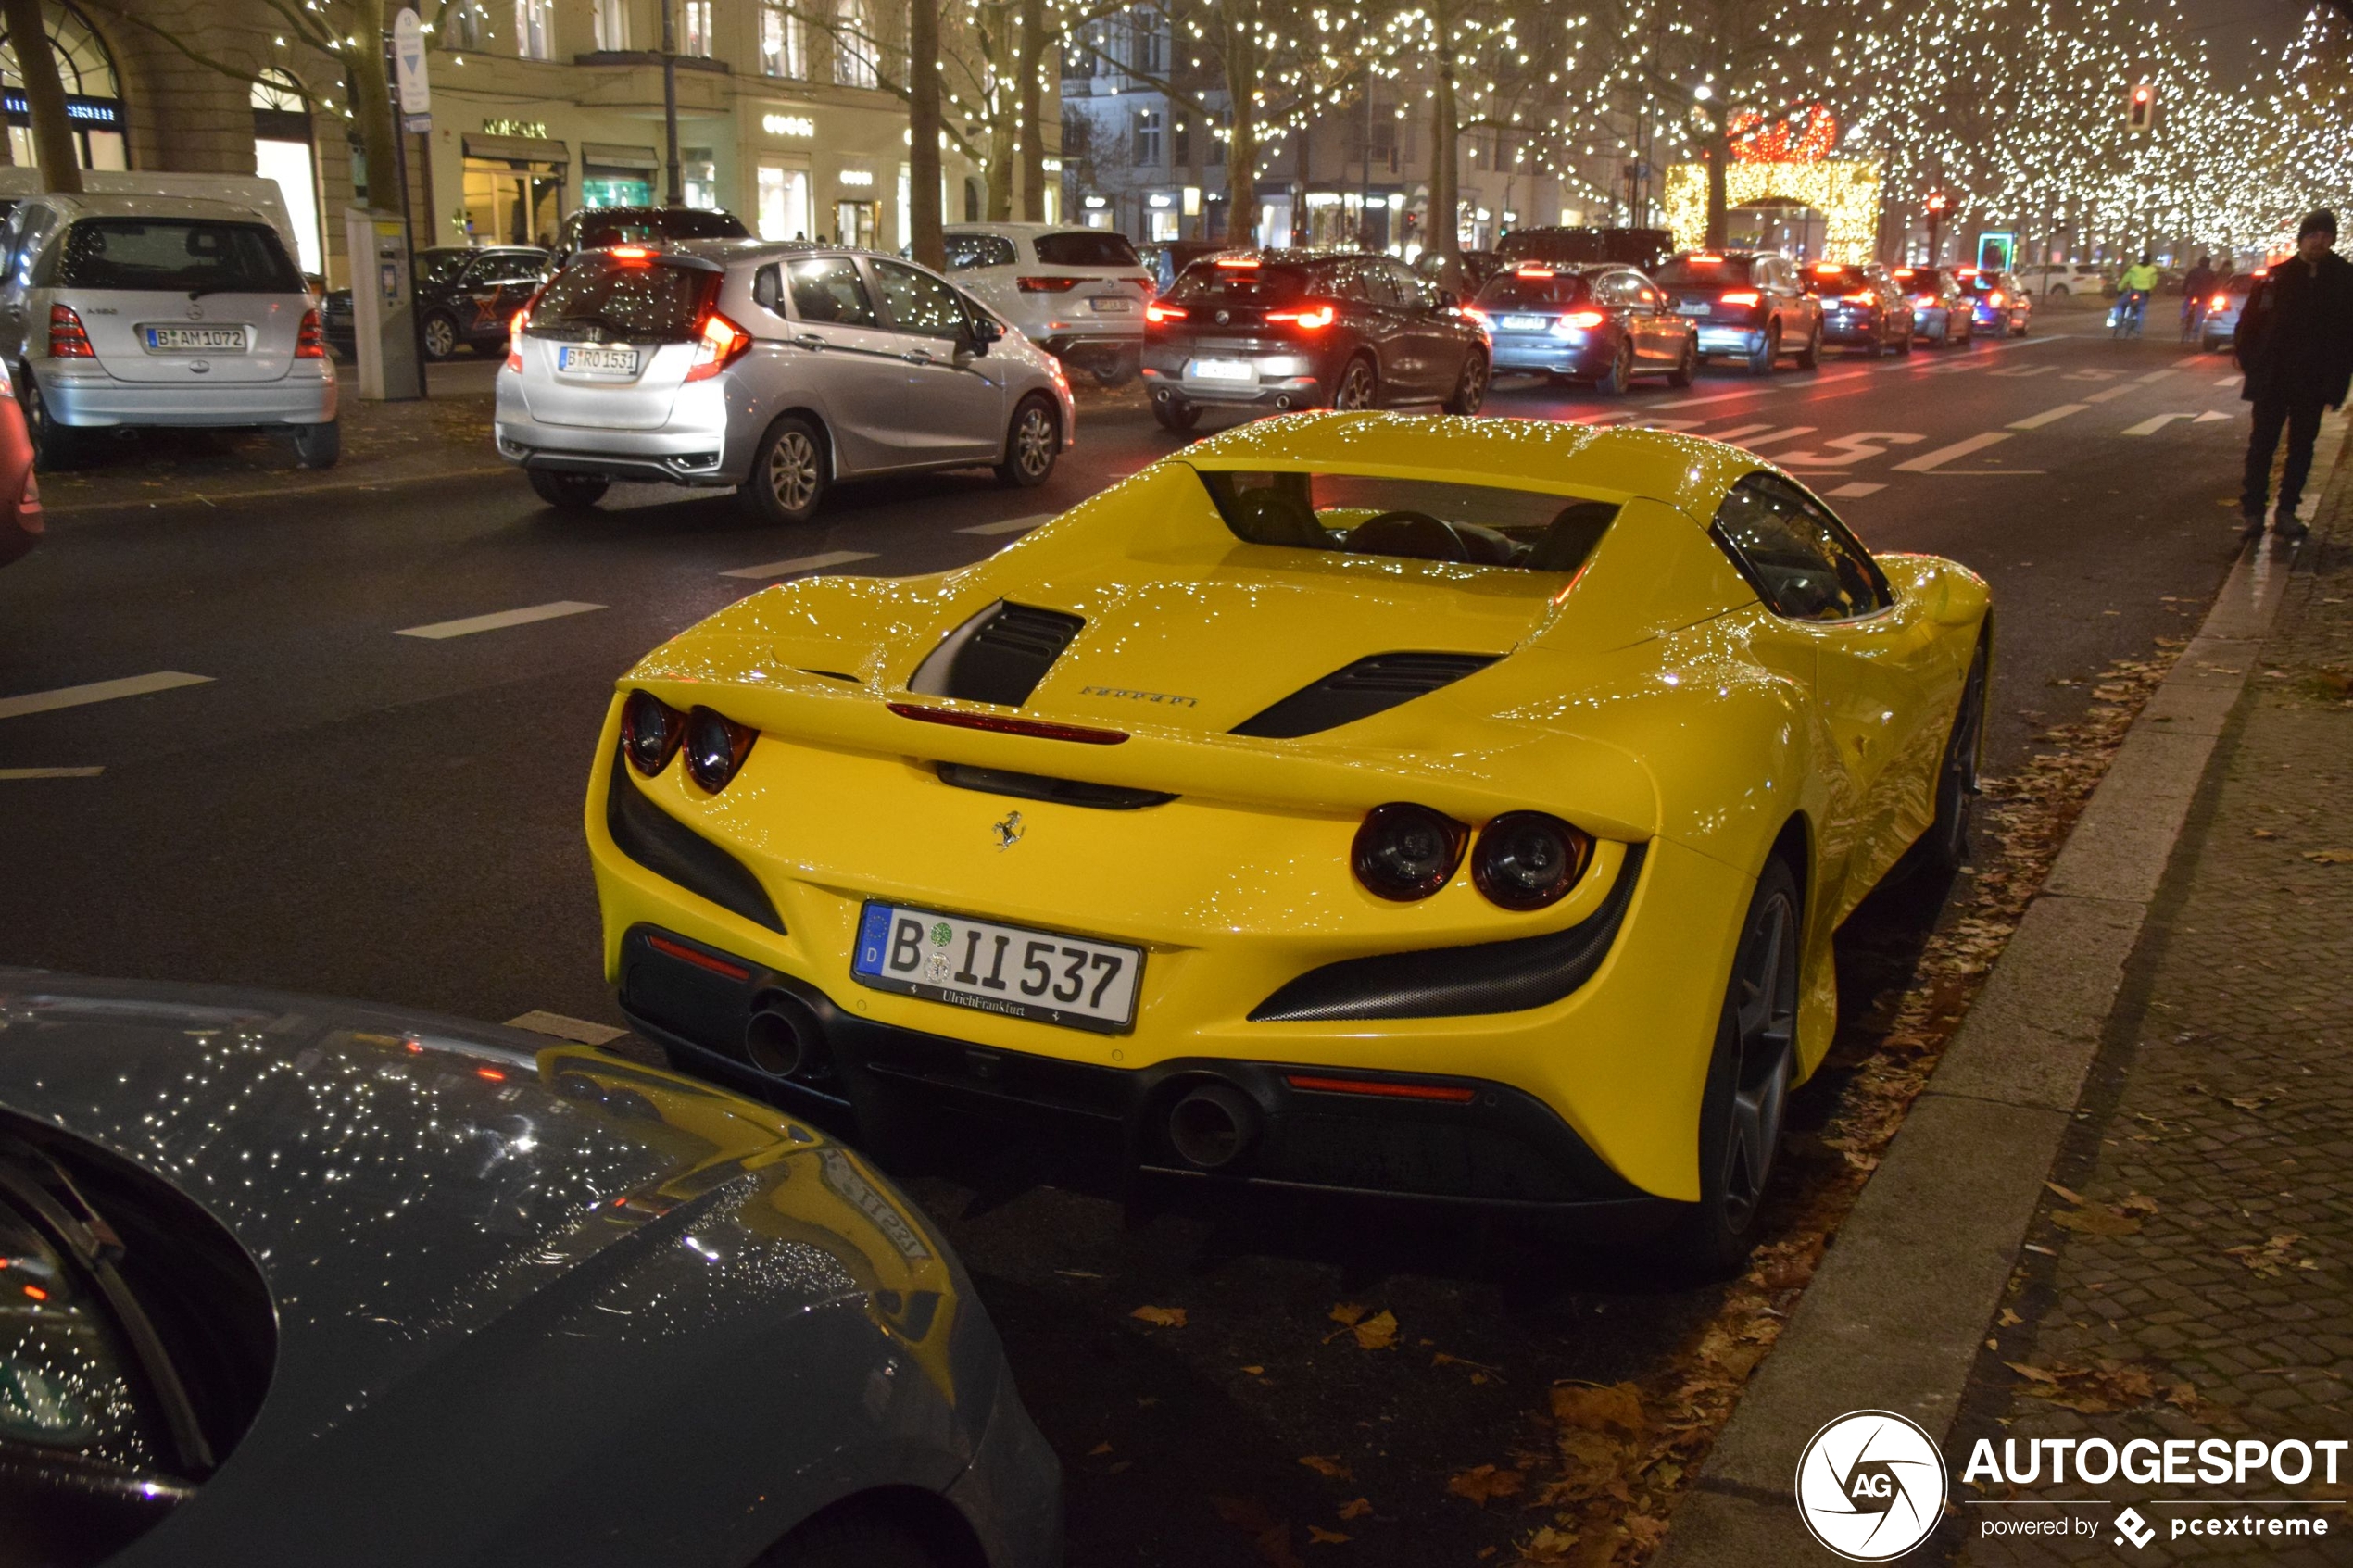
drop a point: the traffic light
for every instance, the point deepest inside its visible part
(2140, 111)
(1935, 202)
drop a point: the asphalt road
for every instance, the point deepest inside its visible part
(296, 794)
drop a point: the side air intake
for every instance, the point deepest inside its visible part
(999, 655)
(1360, 690)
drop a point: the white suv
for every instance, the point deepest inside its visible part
(2059, 279)
(1079, 293)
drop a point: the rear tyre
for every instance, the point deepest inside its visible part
(54, 445)
(852, 1542)
(1810, 356)
(1120, 368)
(440, 334)
(1686, 367)
(317, 446)
(1761, 362)
(1174, 413)
(1359, 386)
(1471, 387)
(569, 492)
(789, 477)
(1033, 442)
(1944, 849)
(1748, 1075)
(1613, 382)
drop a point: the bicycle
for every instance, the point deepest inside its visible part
(2128, 313)
(2193, 319)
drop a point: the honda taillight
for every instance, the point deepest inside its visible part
(1312, 318)
(67, 338)
(309, 342)
(1742, 296)
(1582, 320)
(1047, 285)
(1157, 312)
(721, 344)
(514, 337)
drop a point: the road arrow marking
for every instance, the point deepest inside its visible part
(2210, 416)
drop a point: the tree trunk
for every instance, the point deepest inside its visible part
(1033, 94)
(923, 217)
(1241, 135)
(1718, 151)
(372, 104)
(44, 96)
(1445, 172)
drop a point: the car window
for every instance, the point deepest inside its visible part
(65, 1382)
(177, 255)
(918, 302)
(1800, 560)
(826, 288)
(1086, 248)
(515, 267)
(1411, 290)
(979, 250)
(1532, 287)
(1242, 281)
(1705, 270)
(606, 298)
(438, 267)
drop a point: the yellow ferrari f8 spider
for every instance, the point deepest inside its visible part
(1415, 806)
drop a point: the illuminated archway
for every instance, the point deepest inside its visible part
(1846, 192)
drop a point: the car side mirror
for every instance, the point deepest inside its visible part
(1447, 299)
(985, 331)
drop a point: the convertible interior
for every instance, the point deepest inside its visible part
(1415, 519)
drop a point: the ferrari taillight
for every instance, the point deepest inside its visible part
(650, 730)
(1527, 859)
(715, 746)
(1403, 852)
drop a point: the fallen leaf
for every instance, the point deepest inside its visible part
(1349, 1313)
(1618, 1407)
(2095, 1219)
(2264, 833)
(2037, 1375)
(2066, 1195)
(1099, 1449)
(2329, 856)
(1330, 1467)
(1481, 1483)
(1361, 1506)
(1162, 1317)
(1120, 1467)
(1255, 1370)
(1322, 1536)
(2010, 1319)
(1378, 1332)
(2139, 1203)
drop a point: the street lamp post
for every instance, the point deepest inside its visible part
(677, 191)
(1934, 207)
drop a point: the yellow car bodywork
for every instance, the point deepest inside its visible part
(1650, 699)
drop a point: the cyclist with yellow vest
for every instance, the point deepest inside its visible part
(2136, 286)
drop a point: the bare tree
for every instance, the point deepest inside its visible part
(923, 217)
(45, 95)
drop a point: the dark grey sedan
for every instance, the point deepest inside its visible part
(292, 1281)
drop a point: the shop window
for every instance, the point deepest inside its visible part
(855, 56)
(784, 40)
(854, 223)
(611, 21)
(695, 28)
(536, 28)
(512, 202)
(699, 172)
(782, 203)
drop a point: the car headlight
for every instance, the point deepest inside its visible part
(650, 730)
(1527, 859)
(1403, 852)
(716, 746)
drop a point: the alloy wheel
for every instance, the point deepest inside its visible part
(441, 337)
(793, 472)
(1470, 391)
(1355, 387)
(1765, 1030)
(1034, 442)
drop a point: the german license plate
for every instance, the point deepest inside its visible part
(1046, 976)
(1525, 323)
(1691, 307)
(597, 359)
(1225, 370)
(194, 340)
(1113, 306)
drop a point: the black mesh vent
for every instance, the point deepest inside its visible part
(1009, 653)
(1486, 977)
(1360, 690)
(1039, 787)
(668, 847)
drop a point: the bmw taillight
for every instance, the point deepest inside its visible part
(309, 342)
(1525, 859)
(68, 340)
(1156, 313)
(721, 344)
(1312, 318)
(1047, 285)
(514, 337)
(716, 746)
(1403, 852)
(650, 730)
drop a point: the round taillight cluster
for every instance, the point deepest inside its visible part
(1523, 860)
(652, 731)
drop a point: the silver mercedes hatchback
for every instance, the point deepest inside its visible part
(778, 369)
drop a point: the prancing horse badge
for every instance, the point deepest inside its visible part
(1008, 832)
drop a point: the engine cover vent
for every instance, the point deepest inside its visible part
(1360, 690)
(999, 655)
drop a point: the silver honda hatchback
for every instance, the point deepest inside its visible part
(778, 369)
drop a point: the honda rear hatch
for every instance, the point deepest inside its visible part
(608, 342)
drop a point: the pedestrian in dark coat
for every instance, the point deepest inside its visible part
(2296, 344)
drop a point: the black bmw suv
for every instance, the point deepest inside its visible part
(1292, 329)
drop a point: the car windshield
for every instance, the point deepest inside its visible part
(606, 298)
(1411, 518)
(179, 255)
(1250, 284)
(1532, 289)
(1086, 248)
(1701, 271)
(440, 266)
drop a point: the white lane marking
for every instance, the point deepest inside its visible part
(2153, 375)
(1719, 397)
(1846, 451)
(2231, 381)
(1927, 461)
(1854, 492)
(2048, 415)
(503, 619)
(2189, 362)
(799, 563)
(96, 691)
(50, 773)
(1669, 425)
(2210, 416)
(2023, 371)
(578, 1030)
(1011, 525)
(2091, 375)
(2110, 395)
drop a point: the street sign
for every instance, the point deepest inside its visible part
(409, 63)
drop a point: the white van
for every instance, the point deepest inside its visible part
(250, 190)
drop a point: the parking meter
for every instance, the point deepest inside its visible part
(382, 305)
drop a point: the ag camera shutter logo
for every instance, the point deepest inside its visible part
(1870, 1486)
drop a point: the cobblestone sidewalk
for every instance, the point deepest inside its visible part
(2190, 1272)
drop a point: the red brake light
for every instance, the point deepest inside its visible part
(521, 319)
(1743, 296)
(1237, 261)
(1473, 313)
(1533, 273)
(721, 344)
(962, 720)
(1858, 299)
(1584, 318)
(1924, 299)
(1995, 299)
(2220, 302)
(1903, 272)
(67, 338)
(1827, 268)
(1316, 1084)
(1704, 260)
(1047, 285)
(632, 254)
(308, 344)
(1159, 312)
(1312, 318)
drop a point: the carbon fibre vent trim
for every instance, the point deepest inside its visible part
(671, 849)
(998, 655)
(1360, 690)
(1461, 981)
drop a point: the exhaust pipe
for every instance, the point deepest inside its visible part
(1214, 1126)
(775, 1044)
(1282, 400)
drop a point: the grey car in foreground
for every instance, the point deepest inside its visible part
(285, 1280)
(780, 369)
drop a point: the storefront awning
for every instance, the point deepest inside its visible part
(612, 156)
(517, 149)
